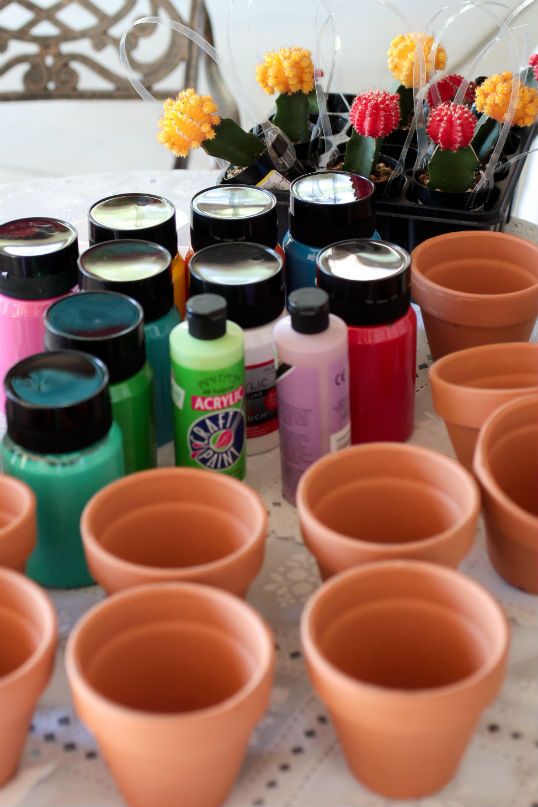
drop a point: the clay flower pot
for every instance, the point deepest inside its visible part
(27, 646)
(379, 501)
(171, 678)
(475, 288)
(17, 523)
(506, 464)
(469, 385)
(175, 524)
(405, 655)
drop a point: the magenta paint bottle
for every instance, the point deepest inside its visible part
(312, 384)
(38, 265)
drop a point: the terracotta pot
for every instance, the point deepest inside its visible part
(475, 288)
(175, 524)
(469, 385)
(405, 655)
(17, 523)
(171, 678)
(27, 646)
(506, 464)
(379, 501)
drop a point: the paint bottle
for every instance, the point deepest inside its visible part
(143, 216)
(233, 213)
(325, 207)
(38, 264)
(251, 280)
(208, 378)
(141, 270)
(110, 326)
(61, 440)
(312, 384)
(369, 287)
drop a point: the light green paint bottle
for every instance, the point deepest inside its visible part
(208, 378)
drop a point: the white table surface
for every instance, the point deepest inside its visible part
(293, 758)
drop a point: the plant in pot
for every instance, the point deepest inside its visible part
(191, 121)
(493, 99)
(290, 73)
(453, 169)
(373, 115)
(404, 64)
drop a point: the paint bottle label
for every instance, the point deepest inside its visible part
(209, 413)
(306, 433)
(260, 387)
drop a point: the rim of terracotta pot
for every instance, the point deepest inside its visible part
(459, 393)
(27, 503)
(310, 642)
(482, 465)
(222, 599)
(460, 301)
(174, 573)
(47, 632)
(324, 464)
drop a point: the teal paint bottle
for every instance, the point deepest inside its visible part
(325, 207)
(208, 387)
(62, 442)
(141, 270)
(110, 326)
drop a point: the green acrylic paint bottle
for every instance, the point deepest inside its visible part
(61, 440)
(208, 388)
(110, 326)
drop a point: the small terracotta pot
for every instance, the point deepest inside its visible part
(171, 678)
(475, 288)
(175, 524)
(17, 523)
(469, 385)
(405, 655)
(379, 501)
(27, 646)
(506, 464)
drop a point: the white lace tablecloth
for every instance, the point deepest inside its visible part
(293, 758)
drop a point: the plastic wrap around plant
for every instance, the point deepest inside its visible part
(419, 123)
(282, 161)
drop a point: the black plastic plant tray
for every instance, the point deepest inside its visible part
(406, 222)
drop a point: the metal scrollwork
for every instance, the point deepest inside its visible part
(54, 71)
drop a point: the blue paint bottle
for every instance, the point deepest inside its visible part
(325, 207)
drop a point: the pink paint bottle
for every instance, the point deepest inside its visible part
(38, 265)
(312, 384)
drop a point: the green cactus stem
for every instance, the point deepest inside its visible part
(452, 171)
(362, 154)
(485, 138)
(292, 116)
(407, 103)
(233, 144)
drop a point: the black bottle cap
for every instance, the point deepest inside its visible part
(309, 310)
(233, 213)
(134, 215)
(103, 323)
(57, 402)
(248, 276)
(368, 282)
(206, 316)
(331, 206)
(138, 269)
(38, 258)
